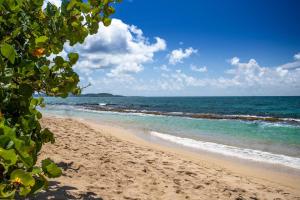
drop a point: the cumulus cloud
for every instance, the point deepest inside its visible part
(120, 48)
(252, 74)
(243, 78)
(171, 81)
(198, 69)
(177, 55)
(297, 56)
(249, 77)
(292, 65)
(164, 68)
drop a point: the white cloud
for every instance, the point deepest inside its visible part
(198, 69)
(247, 78)
(164, 68)
(177, 55)
(234, 60)
(121, 48)
(250, 74)
(171, 81)
(292, 65)
(297, 56)
(243, 78)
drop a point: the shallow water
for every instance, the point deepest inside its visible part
(269, 142)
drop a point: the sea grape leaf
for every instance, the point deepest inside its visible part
(24, 190)
(47, 136)
(50, 168)
(9, 156)
(41, 39)
(23, 150)
(106, 21)
(22, 177)
(40, 183)
(73, 57)
(8, 52)
(6, 192)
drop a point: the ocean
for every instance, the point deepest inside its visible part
(259, 129)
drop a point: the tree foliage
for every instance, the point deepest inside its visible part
(29, 37)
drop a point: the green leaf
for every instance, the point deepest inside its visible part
(38, 2)
(40, 184)
(24, 191)
(8, 52)
(59, 60)
(23, 150)
(41, 39)
(50, 168)
(47, 136)
(6, 192)
(9, 156)
(75, 24)
(26, 90)
(71, 4)
(36, 170)
(106, 21)
(73, 57)
(22, 177)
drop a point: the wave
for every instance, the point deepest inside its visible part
(246, 154)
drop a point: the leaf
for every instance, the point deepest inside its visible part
(24, 191)
(75, 24)
(23, 150)
(22, 177)
(36, 170)
(73, 57)
(26, 90)
(106, 21)
(8, 52)
(59, 60)
(41, 39)
(40, 184)
(9, 156)
(50, 168)
(47, 136)
(38, 2)
(71, 4)
(6, 192)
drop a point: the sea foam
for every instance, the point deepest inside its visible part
(247, 154)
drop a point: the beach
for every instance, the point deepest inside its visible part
(108, 162)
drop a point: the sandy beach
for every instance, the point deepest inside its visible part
(103, 162)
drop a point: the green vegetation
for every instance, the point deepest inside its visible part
(28, 36)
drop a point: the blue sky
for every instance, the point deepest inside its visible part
(195, 48)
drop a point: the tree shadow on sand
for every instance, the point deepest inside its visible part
(55, 191)
(67, 166)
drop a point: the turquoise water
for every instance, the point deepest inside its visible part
(258, 140)
(283, 107)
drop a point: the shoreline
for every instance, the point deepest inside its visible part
(109, 162)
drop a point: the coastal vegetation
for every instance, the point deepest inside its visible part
(32, 34)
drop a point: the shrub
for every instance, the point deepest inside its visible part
(29, 37)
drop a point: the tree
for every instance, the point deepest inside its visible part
(29, 37)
